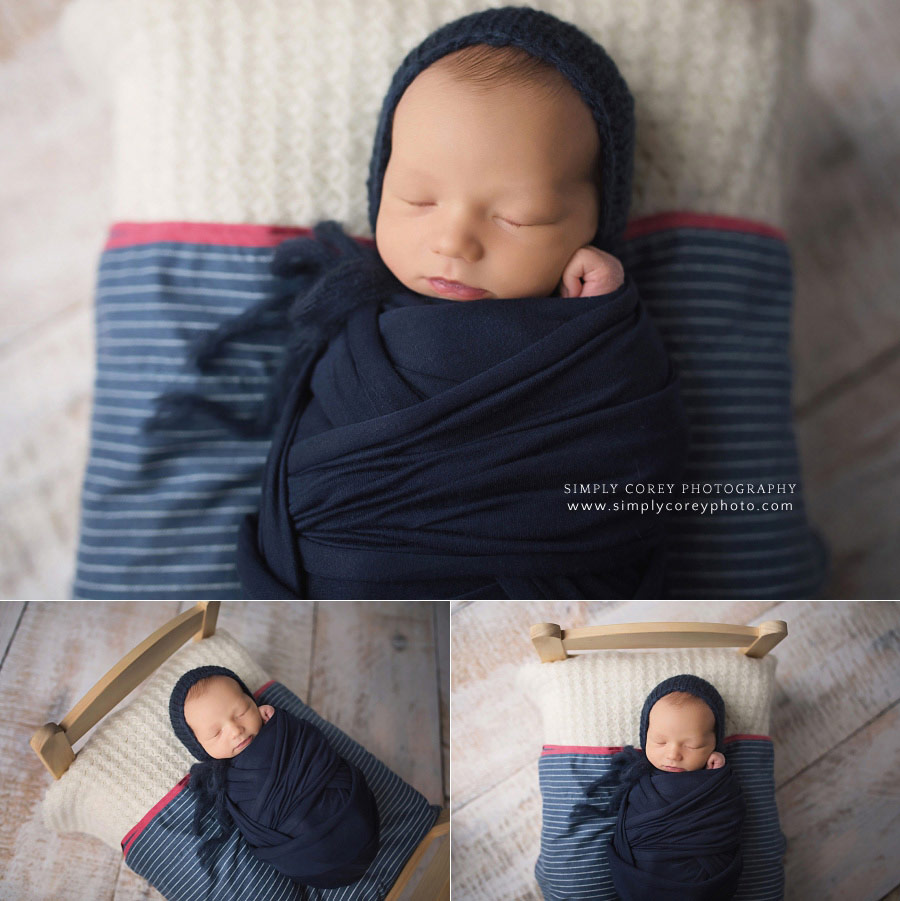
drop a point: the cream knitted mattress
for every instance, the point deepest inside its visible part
(595, 699)
(264, 111)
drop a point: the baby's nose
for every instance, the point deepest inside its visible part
(456, 239)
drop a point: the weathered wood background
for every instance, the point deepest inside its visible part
(835, 724)
(379, 671)
(55, 137)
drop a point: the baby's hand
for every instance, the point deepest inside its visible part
(716, 760)
(599, 271)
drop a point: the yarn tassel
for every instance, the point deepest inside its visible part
(626, 768)
(208, 782)
(344, 274)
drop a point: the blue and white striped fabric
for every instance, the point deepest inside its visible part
(721, 298)
(164, 851)
(573, 861)
(161, 506)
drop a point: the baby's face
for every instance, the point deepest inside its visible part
(223, 719)
(486, 194)
(680, 738)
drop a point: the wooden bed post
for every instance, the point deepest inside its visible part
(435, 882)
(547, 639)
(51, 744)
(770, 633)
(210, 615)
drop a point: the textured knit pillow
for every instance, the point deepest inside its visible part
(590, 706)
(233, 121)
(127, 787)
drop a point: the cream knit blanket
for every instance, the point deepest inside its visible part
(264, 111)
(595, 699)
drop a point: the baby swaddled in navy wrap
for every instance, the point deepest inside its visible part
(300, 807)
(680, 810)
(428, 438)
(440, 398)
(426, 452)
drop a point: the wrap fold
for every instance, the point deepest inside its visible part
(678, 837)
(425, 452)
(300, 806)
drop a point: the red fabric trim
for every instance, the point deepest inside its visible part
(129, 234)
(663, 221)
(259, 691)
(129, 839)
(549, 750)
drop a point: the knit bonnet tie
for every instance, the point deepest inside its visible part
(208, 777)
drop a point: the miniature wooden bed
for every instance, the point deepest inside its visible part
(54, 743)
(588, 703)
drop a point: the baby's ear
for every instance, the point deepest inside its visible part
(266, 711)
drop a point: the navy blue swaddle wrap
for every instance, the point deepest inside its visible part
(425, 450)
(300, 806)
(678, 837)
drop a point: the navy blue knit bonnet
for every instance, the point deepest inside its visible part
(176, 704)
(580, 59)
(692, 685)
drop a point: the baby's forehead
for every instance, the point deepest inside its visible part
(516, 130)
(211, 690)
(683, 706)
(440, 86)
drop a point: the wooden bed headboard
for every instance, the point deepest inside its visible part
(553, 643)
(53, 743)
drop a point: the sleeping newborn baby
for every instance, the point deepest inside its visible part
(300, 807)
(443, 386)
(480, 197)
(680, 810)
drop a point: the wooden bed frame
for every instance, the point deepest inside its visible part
(553, 643)
(53, 743)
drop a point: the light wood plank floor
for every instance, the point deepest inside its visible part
(55, 136)
(379, 671)
(835, 724)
